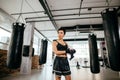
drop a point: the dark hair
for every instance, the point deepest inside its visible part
(62, 30)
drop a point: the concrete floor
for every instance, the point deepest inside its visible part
(77, 74)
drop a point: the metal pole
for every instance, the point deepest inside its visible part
(62, 15)
(42, 34)
(62, 19)
(65, 9)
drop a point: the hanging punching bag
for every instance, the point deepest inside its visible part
(43, 52)
(111, 31)
(94, 61)
(14, 54)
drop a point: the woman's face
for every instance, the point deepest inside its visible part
(61, 34)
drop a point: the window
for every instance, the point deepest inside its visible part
(4, 39)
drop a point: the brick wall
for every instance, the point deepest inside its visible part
(3, 68)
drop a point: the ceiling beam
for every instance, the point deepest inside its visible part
(48, 12)
(29, 21)
(61, 15)
(80, 39)
(83, 39)
(65, 9)
(80, 6)
(84, 28)
(42, 34)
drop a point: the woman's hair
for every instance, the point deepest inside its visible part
(62, 30)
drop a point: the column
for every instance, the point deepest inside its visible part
(27, 49)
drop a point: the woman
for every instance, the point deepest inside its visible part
(61, 64)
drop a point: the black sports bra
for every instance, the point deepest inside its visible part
(61, 47)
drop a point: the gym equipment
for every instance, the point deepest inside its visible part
(78, 65)
(111, 31)
(14, 54)
(94, 62)
(104, 54)
(43, 52)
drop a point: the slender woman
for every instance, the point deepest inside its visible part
(61, 64)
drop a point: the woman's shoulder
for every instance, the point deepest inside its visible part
(54, 42)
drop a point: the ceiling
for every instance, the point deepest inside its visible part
(61, 13)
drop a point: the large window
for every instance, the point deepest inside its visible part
(36, 45)
(81, 47)
(82, 52)
(4, 39)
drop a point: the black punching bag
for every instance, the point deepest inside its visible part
(94, 61)
(43, 52)
(14, 54)
(111, 31)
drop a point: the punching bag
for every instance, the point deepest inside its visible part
(111, 31)
(14, 54)
(43, 52)
(94, 61)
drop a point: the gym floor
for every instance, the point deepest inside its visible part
(77, 74)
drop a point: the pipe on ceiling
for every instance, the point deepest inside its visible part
(48, 12)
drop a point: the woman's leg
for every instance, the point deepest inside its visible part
(58, 77)
(68, 77)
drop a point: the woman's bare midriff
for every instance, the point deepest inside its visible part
(61, 55)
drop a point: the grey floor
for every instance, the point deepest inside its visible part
(77, 74)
